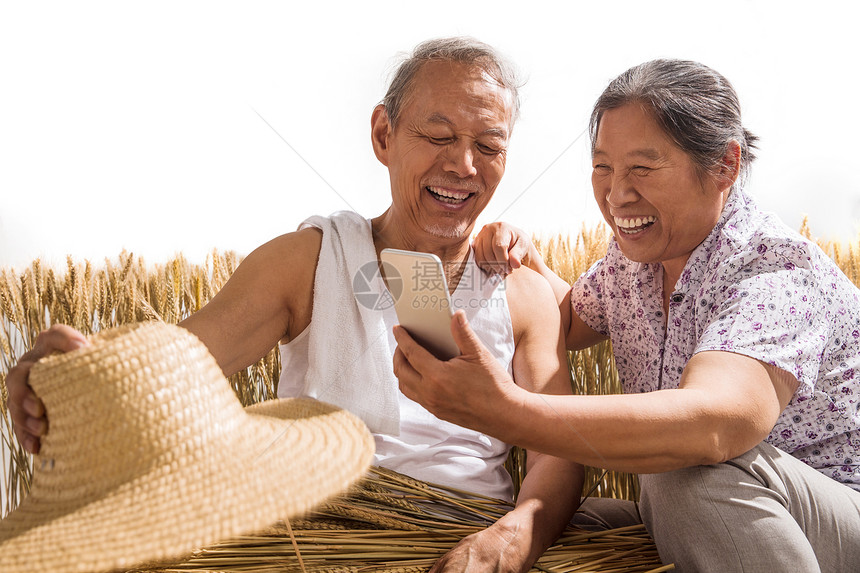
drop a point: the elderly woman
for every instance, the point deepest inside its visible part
(737, 342)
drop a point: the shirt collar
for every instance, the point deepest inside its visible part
(730, 224)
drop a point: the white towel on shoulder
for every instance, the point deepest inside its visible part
(349, 360)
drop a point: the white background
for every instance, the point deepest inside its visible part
(144, 126)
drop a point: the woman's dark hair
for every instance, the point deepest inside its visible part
(696, 107)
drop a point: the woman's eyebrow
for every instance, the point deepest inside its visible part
(646, 152)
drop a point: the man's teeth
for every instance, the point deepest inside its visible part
(448, 195)
(634, 224)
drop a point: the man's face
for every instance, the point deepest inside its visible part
(447, 153)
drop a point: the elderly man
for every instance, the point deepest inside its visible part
(442, 131)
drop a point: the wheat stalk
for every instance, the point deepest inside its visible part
(90, 299)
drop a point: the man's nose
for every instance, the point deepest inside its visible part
(460, 159)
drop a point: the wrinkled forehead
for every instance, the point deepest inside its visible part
(630, 123)
(472, 85)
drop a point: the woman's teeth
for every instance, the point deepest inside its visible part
(449, 196)
(634, 224)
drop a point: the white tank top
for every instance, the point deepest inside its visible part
(428, 448)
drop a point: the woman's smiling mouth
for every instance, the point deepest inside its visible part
(633, 225)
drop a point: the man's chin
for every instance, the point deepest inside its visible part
(457, 231)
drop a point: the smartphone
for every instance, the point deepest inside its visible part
(417, 284)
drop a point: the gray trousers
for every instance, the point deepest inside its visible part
(762, 511)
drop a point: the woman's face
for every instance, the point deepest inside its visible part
(649, 190)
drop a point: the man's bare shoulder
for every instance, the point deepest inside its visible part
(524, 286)
(301, 246)
(268, 298)
(539, 364)
(285, 268)
(530, 300)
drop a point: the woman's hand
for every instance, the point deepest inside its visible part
(501, 248)
(29, 419)
(471, 390)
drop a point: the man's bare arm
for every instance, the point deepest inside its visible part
(550, 492)
(268, 298)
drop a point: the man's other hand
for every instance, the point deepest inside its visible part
(496, 548)
(29, 419)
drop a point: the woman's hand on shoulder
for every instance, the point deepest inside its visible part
(501, 248)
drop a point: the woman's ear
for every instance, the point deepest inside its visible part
(730, 165)
(380, 130)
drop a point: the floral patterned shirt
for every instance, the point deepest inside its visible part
(753, 287)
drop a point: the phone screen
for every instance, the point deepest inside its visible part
(417, 284)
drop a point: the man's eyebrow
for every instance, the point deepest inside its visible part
(439, 118)
(492, 131)
(497, 132)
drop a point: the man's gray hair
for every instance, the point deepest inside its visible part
(696, 107)
(460, 49)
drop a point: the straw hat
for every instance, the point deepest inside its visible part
(150, 455)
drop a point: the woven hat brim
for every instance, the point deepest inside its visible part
(290, 455)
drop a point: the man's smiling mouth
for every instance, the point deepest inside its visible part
(449, 196)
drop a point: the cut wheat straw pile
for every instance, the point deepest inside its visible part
(393, 523)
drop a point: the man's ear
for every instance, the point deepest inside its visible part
(730, 165)
(380, 130)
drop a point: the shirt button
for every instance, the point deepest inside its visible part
(677, 297)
